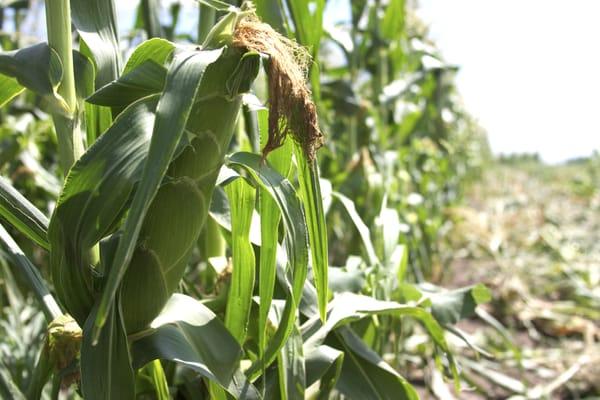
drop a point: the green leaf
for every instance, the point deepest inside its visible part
(205, 22)
(151, 379)
(362, 228)
(296, 245)
(31, 274)
(325, 363)
(106, 366)
(146, 79)
(9, 89)
(96, 22)
(364, 374)
(308, 21)
(84, 75)
(242, 197)
(392, 24)
(38, 68)
(199, 156)
(308, 176)
(149, 18)
(169, 233)
(93, 201)
(183, 79)
(292, 375)
(157, 50)
(270, 216)
(191, 335)
(106, 371)
(97, 118)
(23, 215)
(144, 74)
(271, 12)
(8, 387)
(349, 307)
(451, 306)
(400, 259)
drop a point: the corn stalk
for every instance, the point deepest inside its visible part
(70, 140)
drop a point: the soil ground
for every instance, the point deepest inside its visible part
(531, 233)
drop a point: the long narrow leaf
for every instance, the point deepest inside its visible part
(292, 374)
(93, 201)
(349, 307)
(365, 375)
(270, 217)
(183, 80)
(97, 118)
(296, 242)
(23, 215)
(157, 50)
(96, 22)
(324, 363)
(38, 68)
(106, 371)
(146, 79)
(31, 274)
(308, 21)
(362, 228)
(242, 200)
(153, 375)
(9, 89)
(308, 176)
(8, 387)
(190, 334)
(148, 15)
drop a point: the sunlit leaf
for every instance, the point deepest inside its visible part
(23, 215)
(183, 80)
(191, 335)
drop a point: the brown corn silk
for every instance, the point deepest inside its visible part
(291, 109)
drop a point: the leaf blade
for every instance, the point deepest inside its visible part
(96, 22)
(193, 336)
(241, 199)
(23, 215)
(183, 80)
(308, 176)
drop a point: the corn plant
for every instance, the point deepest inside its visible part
(188, 241)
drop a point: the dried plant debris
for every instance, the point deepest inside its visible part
(533, 238)
(291, 108)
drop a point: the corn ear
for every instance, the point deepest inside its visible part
(176, 214)
(179, 209)
(142, 191)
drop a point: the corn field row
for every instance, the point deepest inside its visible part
(258, 208)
